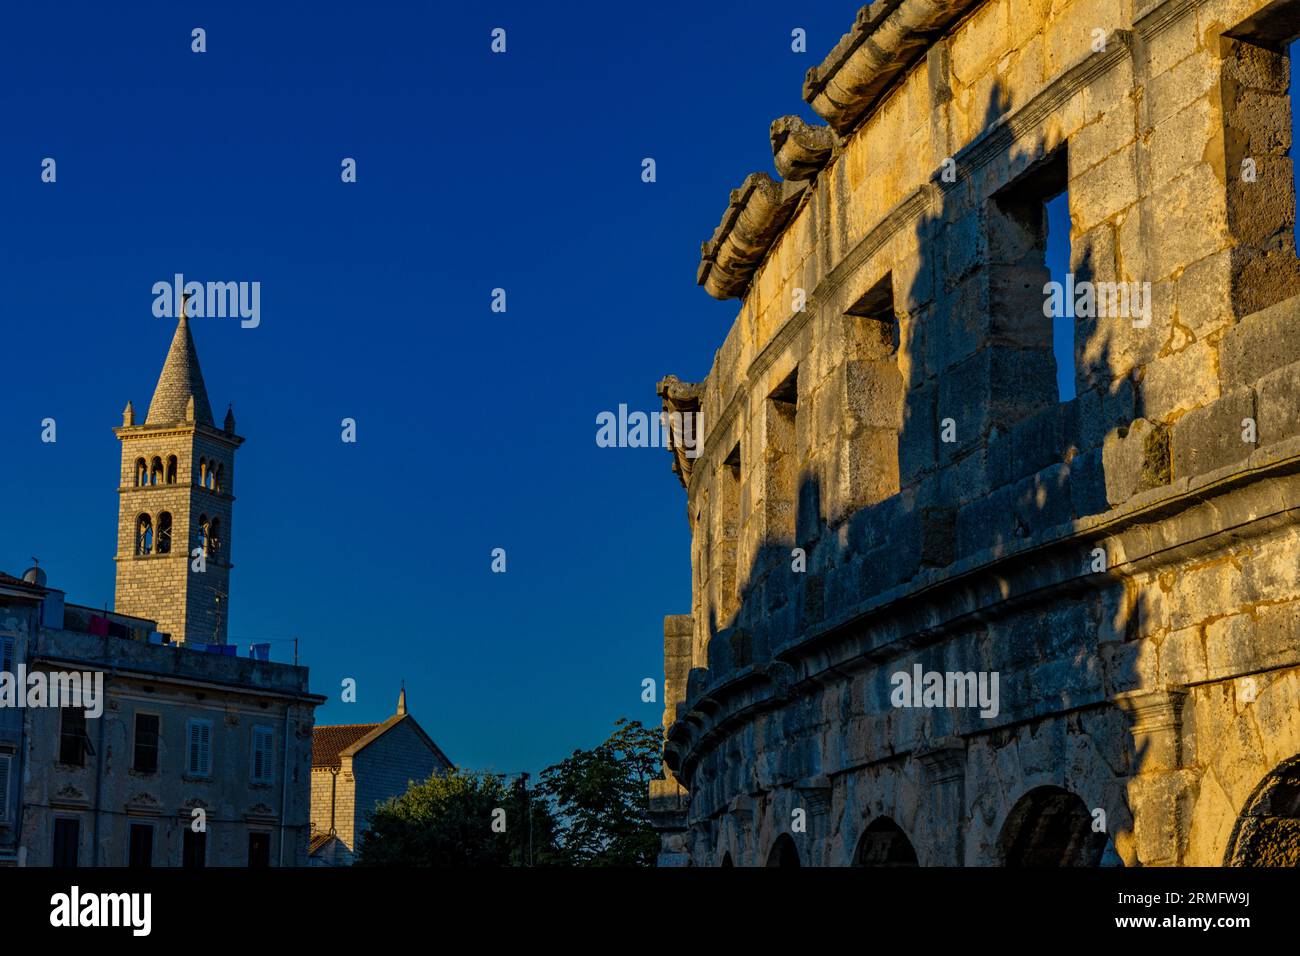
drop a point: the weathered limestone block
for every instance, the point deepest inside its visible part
(1179, 382)
(1097, 411)
(1135, 459)
(1213, 436)
(1279, 404)
(1261, 342)
(1252, 642)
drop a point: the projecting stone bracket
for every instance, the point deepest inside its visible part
(1156, 725)
(944, 761)
(1161, 791)
(815, 792)
(943, 764)
(682, 399)
(800, 151)
(757, 213)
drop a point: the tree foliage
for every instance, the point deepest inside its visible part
(448, 820)
(591, 809)
(601, 799)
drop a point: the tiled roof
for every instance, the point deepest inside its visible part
(318, 841)
(327, 743)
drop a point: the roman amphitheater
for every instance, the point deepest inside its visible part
(895, 512)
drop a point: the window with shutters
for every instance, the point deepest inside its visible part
(73, 742)
(199, 757)
(263, 755)
(6, 768)
(146, 743)
(7, 655)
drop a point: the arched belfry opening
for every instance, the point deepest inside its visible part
(1050, 827)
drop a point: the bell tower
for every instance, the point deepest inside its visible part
(175, 497)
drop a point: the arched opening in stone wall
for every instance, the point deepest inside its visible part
(144, 535)
(1048, 827)
(884, 844)
(1268, 831)
(784, 852)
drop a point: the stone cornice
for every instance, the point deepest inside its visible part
(886, 40)
(755, 217)
(183, 429)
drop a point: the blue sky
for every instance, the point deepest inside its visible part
(475, 430)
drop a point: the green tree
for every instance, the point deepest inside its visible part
(601, 802)
(443, 821)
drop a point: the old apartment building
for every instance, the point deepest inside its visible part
(354, 768)
(892, 486)
(200, 757)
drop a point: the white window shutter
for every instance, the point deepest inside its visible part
(200, 749)
(263, 746)
(193, 748)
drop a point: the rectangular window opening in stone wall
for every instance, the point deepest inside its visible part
(1023, 375)
(1057, 260)
(780, 462)
(872, 400)
(1257, 91)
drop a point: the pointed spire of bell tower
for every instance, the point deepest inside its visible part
(401, 701)
(180, 380)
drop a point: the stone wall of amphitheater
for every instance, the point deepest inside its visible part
(890, 479)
